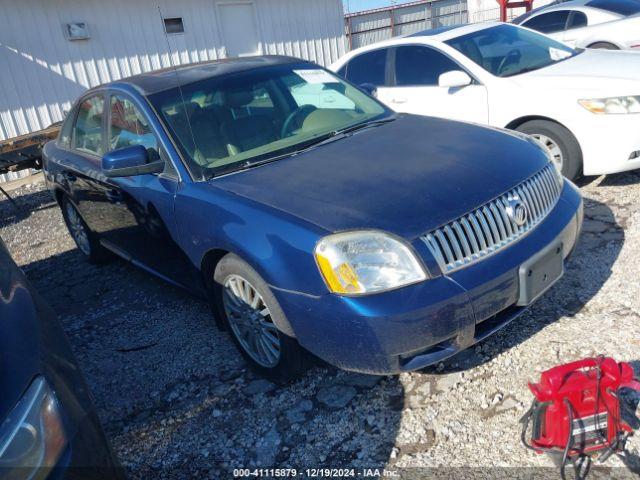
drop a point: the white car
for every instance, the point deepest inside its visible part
(584, 105)
(610, 24)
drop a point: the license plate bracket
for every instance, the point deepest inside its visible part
(537, 274)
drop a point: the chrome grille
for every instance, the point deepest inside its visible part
(493, 225)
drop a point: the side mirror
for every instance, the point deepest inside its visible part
(369, 88)
(454, 78)
(130, 161)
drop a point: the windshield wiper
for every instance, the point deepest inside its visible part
(370, 123)
(342, 133)
(317, 142)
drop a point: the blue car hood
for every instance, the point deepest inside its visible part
(406, 177)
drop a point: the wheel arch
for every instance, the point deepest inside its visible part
(515, 123)
(591, 43)
(208, 265)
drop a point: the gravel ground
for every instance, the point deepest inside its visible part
(178, 402)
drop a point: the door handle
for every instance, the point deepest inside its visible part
(114, 196)
(399, 100)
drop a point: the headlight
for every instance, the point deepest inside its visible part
(612, 105)
(366, 262)
(32, 437)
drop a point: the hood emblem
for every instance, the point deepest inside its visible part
(517, 211)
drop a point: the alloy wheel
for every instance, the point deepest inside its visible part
(78, 230)
(553, 148)
(250, 321)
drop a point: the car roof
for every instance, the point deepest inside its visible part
(431, 36)
(442, 34)
(164, 79)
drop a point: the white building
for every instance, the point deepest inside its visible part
(50, 51)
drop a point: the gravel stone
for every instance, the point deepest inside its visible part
(336, 396)
(259, 386)
(298, 413)
(267, 448)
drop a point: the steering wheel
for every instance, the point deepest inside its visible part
(513, 56)
(295, 119)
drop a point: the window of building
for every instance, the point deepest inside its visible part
(173, 25)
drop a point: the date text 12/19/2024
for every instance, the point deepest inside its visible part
(314, 473)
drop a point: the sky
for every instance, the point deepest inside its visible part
(359, 5)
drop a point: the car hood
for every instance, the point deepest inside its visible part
(594, 72)
(405, 177)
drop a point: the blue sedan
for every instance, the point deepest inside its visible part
(312, 217)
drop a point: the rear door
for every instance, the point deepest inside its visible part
(415, 73)
(576, 25)
(80, 162)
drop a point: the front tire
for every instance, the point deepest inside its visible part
(86, 240)
(562, 145)
(252, 314)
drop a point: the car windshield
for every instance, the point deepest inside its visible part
(237, 120)
(506, 50)
(621, 7)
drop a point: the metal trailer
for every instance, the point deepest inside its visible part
(24, 152)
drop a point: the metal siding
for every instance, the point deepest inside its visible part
(368, 27)
(43, 72)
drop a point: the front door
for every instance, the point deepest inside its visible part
(143, 204)
(415, 73)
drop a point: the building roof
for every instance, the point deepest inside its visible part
(164, 79)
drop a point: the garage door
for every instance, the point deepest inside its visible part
(239, 30)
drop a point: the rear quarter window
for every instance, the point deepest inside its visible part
(64, 138)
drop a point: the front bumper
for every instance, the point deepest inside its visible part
(418, 325)
(609, 143)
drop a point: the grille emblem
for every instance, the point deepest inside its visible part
(517, 211)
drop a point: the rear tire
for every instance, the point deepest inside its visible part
(555, 135)
(604, 46)
(86, 240)
(252, 314)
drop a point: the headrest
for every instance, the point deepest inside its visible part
(237, 98)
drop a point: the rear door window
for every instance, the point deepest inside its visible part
(369, 67)
(418, 65)
(549, 22)
(87, 131)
